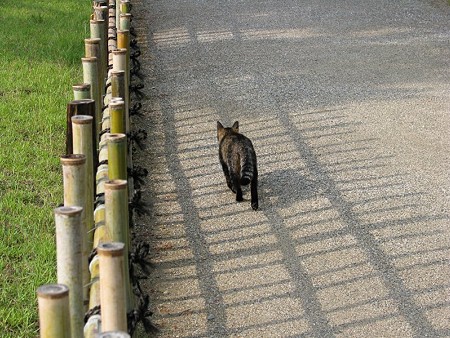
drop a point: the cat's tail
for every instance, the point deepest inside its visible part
(247, 166)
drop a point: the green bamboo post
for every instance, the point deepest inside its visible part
(125, 6)
(54, 316)
(93, 49)
(98, 30)
(125, 21)
(81, 91)
(112, 286)
(116, 222)
(78, 107)
(90, 75)
(75, 182)
(117, 156)
(114, 334)
(82, 144)
(117, 117)
(68, 262)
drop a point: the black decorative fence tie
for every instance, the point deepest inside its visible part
(138, 257)
(99, 200)
(92, 255)
(96, 310)
(136, 109)
(136, 89)
(138, 137)
(141, 314)
(138, 174)
(137, 205)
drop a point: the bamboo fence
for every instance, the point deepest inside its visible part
(94, 296)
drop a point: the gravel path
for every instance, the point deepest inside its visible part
(347, 105)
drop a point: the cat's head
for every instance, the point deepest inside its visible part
(222, 131)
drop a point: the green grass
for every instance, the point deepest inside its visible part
(42, 43)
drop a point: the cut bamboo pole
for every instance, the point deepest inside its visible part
(75, 194)
(98, 30)
(117, 223)
(93, 326)
(118, 89)
(112, 286)
(91, 76)
(123, 42)
(82, 91)
(68, 262)
(93, 48)
(117, 117)
(79, 107)
(117, 156)
(125, 20)
(54, 316)
(120, 64)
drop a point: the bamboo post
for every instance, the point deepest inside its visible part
(117, 156)
(98, 30)
(90, 75)
(123, 42)
(120, 64)
(75, 194)
(93, 48)
(117, 223)
(81, 91)
(125, 20)
(114, 334)
(112, 286)
(68, 254)
(78, 107)
(118, 89)
(117, 117)
(54, 316)
(93, 326)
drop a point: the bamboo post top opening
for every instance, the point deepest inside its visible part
(111, 249)
(82, 86)
(82, 101)
(116, 184)
(82, 119)
(68, 211)
(52, 291)
(73, 159)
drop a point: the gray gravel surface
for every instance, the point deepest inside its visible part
(347, 105)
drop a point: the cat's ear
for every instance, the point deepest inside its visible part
(219, 125)
(235, 127)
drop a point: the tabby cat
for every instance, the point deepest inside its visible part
(238, 159)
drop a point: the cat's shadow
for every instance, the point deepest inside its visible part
(285, 187)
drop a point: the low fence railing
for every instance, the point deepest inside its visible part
(95, 295)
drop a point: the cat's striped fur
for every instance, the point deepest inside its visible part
(238, 159)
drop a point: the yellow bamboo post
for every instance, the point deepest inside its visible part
(81, 91)
(90, 75)
(54, 316)
(123, 42)
(117, 156)
(68, 262)
(112, 286)
(75, 182)
(117, 117)
(117, 224)
(114, 334)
